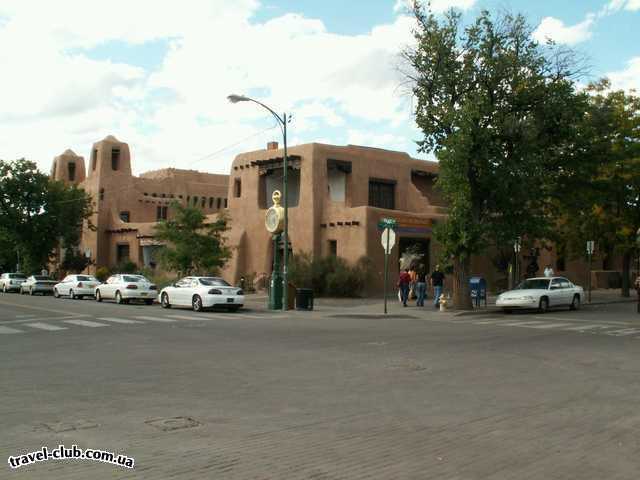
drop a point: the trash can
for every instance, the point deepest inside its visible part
(304, 299)
(478, 288)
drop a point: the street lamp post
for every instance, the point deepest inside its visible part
(517, 245)
(591, 247)
(282, 120)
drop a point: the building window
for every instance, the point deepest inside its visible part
(115, 158)
(124, 216)
(210, 202)
(382, 193)
(203, 202)
(71, 166)
(94, 158)
(188, 199)
(146, 194)
(161, 213)
(122, 252)
(225, 203)
(154, 194)
(195, 201)
(333, 248)
(237, 188)
(102, 194)
(219, 203)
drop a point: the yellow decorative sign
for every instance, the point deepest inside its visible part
(274, 219)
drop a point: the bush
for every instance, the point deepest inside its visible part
(102, 273)
(126, 267)
(331, 276)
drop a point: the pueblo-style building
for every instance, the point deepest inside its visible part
(127, 208)
(337, 196)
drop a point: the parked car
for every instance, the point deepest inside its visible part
(125, 287)
(76, 286)
(10, 282)
(542, 293)
(202, 292)
(38, 284)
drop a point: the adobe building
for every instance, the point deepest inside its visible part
(126, 207)
(337, 196)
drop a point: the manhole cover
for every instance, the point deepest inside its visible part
(173, 423)
(60, 427)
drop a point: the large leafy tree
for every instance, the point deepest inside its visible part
(496, 108)
(36, 213)
(602, 201)
(193, 246)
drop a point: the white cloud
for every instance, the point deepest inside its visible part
(627, 79)
(616, 5)
(52, 100)
(437, 6)
(551, 28)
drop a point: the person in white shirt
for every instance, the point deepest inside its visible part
(548, 271)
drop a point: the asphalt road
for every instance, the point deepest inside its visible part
(339, 393)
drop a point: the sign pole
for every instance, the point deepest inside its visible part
(386, 270)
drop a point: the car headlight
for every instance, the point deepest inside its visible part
(526, 297)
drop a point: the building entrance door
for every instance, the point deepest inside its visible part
(415, 252)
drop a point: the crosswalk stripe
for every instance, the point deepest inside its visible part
(581, 328)
(4, 330)
(490, 322)
(548, 325)
(119, 320)
(44, 326)
(86, 323)
(190, 317)
(156, 319)
(523, 324)
(623, 332)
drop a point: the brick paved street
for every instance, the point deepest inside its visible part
(339, 393)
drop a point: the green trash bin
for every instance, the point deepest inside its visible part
(304, 299)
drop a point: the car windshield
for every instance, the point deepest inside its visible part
(534, 284)
(86, 278)
(41, 277)
(17, 276)
(213, 282)
(134, 278)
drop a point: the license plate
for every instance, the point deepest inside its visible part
(143, 294)
(229, 300)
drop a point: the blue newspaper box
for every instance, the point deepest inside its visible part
(478, 288)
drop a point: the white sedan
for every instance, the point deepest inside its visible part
(76, 286)
(542, 294)
(125, 287)
(202, 292)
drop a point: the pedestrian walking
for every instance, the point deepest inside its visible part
(548, 271)
(403, 284)
(412, 284)
(421, 287)
(437, 282)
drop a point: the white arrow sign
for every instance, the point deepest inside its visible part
(389, 235)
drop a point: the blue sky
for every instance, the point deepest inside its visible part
(156, 75)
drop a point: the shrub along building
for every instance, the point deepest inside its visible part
(337, 196)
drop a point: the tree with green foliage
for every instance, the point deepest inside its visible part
(193, 247)
(497, 109)
(601, 201)
(37, 214)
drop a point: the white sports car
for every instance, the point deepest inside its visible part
(542, 293)
(125, 287)
(202, 292)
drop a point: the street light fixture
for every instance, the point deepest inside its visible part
(282, 121)
(517, 245)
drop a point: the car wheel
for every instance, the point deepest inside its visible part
(575, 304)
(119, 299)
(196, 303)
(55, 293)
(98, 296)
(164, 301)
(543, 306)
(72, 295)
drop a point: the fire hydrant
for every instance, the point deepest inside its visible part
(443, 303)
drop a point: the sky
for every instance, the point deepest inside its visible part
(156, 74)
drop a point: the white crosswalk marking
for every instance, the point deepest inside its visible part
(623, 332)
(156, 319)
(548, 325)
(581, 328)
(7, 330)
(523, 324)
(86, 323)
(45, 326)
(190, 317)
(491, 322)
(119, 320)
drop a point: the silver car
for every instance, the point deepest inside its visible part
(10, 282)
(38, 284)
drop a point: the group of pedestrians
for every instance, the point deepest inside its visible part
(415, 281)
